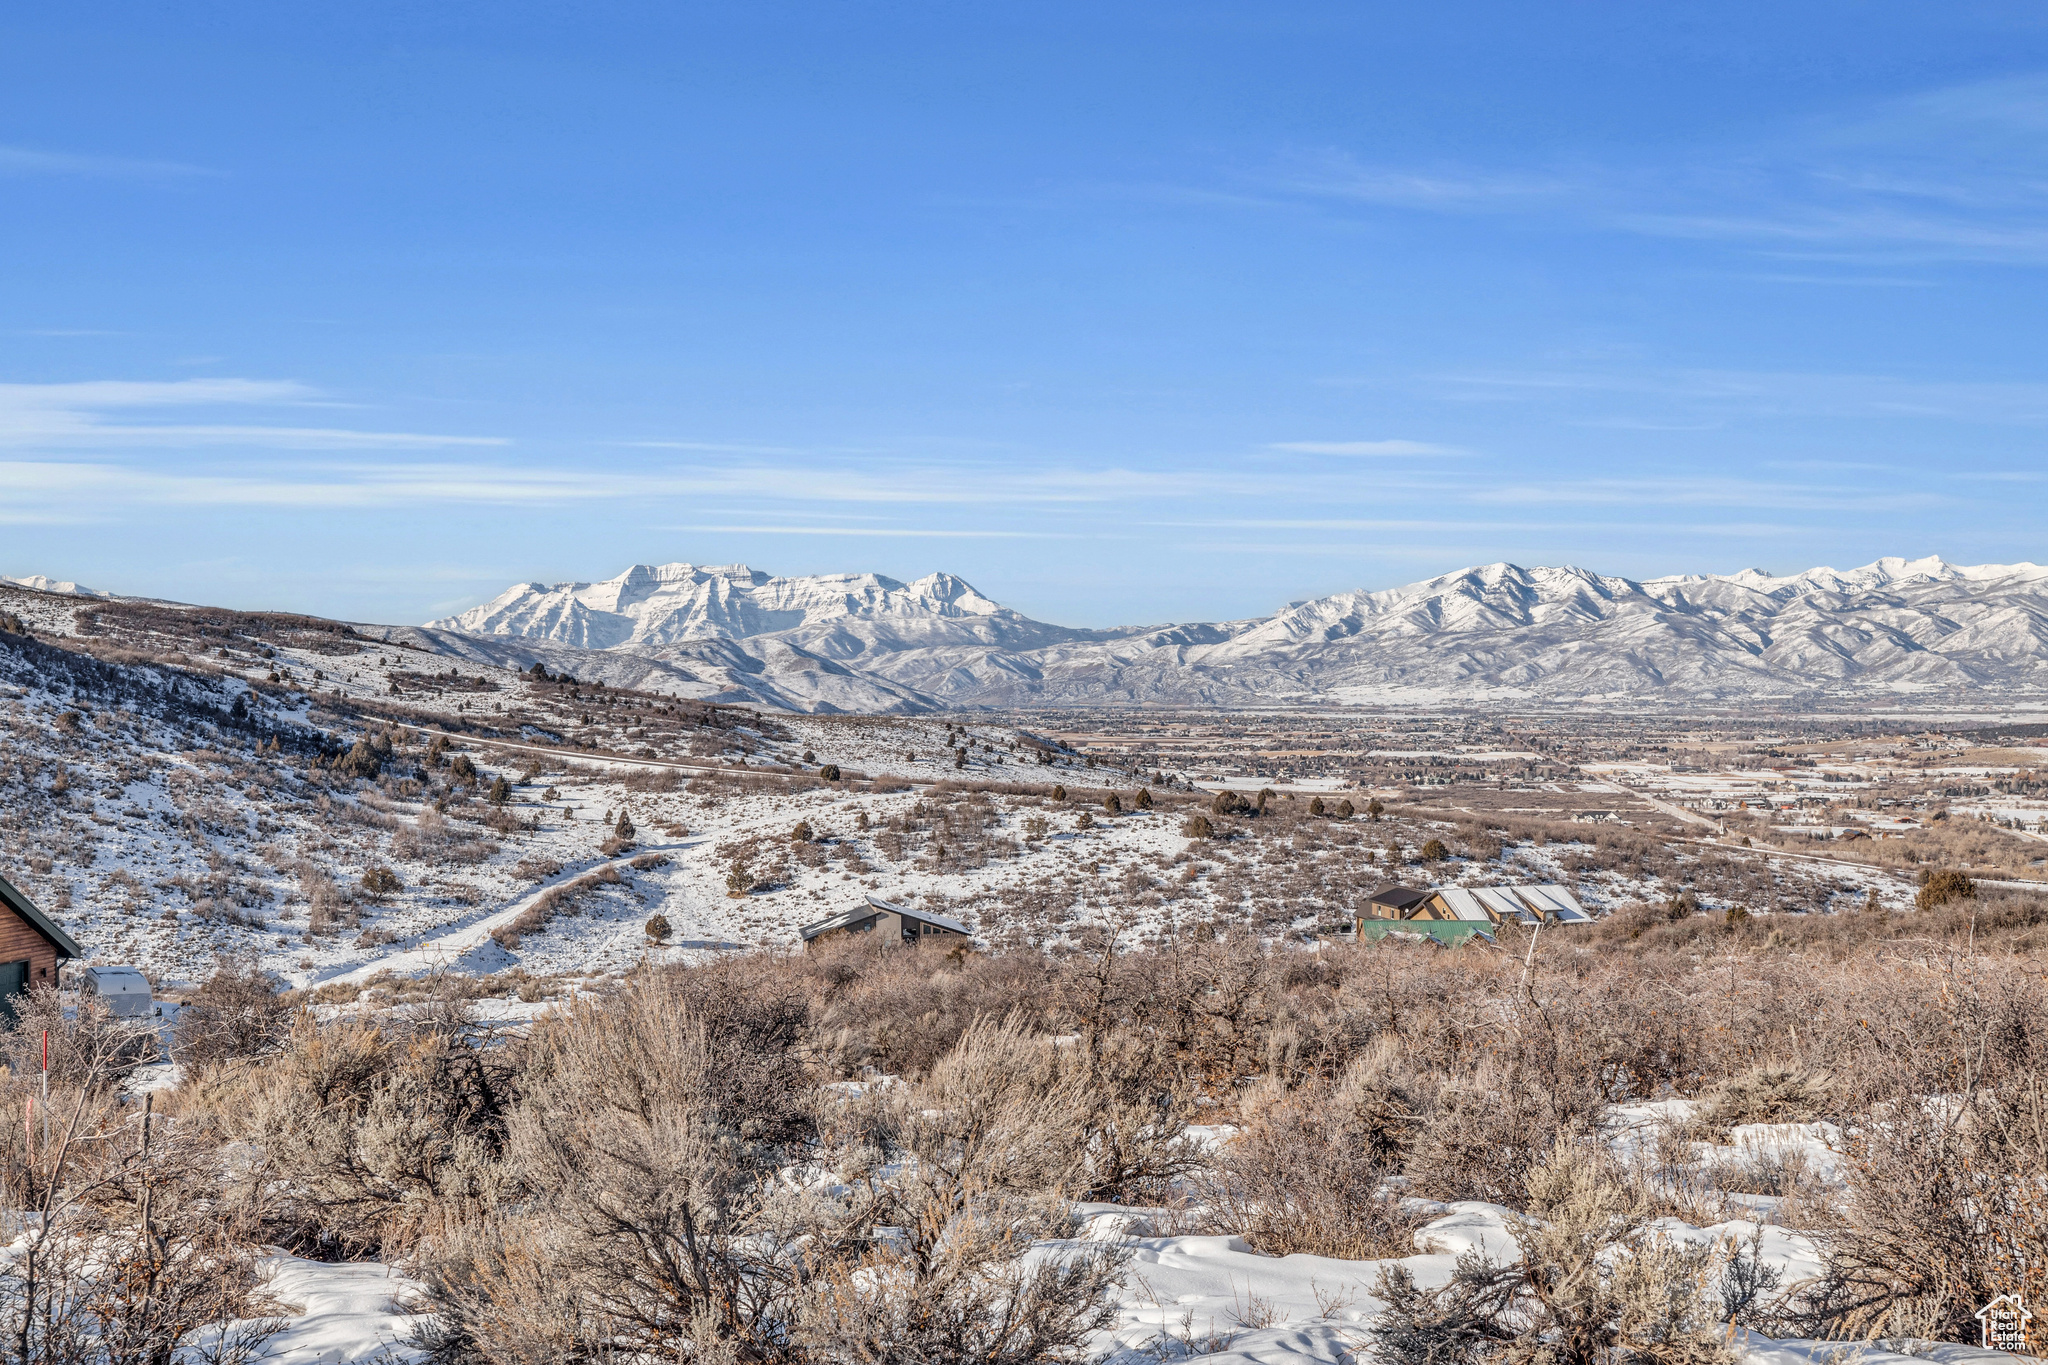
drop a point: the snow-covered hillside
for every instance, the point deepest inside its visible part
(1921, 627)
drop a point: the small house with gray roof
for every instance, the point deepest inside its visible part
(893, 923)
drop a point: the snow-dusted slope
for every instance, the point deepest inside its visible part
(1494, 631)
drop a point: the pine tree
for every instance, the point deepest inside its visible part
(1315, 805)
(501, 791)
(624, 829)
(1113, 804)
(1144, 801)
(1059, 793)
(658, 930)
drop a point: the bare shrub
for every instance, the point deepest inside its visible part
(655, 1229)
(1938, 1222)
(365, 1142)
(1308, 1171)
(125, 1252)
(1764, 1171)
(86, 1045)
(980, 1175)
(1485, 1133)
(236, 1012)
(1594, 1286)
(1769, 1093)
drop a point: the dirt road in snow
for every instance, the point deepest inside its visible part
(469, 948)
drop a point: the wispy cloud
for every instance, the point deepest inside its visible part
(1757, 393)
(1337, 174)
(709, 447)
(1677, 492)
(1465, 526)
(102, 413)
(384, 483)
(35, 161)
(1953, 174)
(1367, 448)
(882, 532)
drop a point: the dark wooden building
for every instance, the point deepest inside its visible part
(31, 946)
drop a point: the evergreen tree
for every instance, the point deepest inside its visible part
(624, 829)
(658, 930)
(1144, 801)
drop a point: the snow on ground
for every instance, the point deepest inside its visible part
(134, 810)
(1184, 1298)
(157, 837)
(338, 1312)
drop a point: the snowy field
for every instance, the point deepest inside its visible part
(1200, 1298)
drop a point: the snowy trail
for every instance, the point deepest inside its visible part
(1691, 817)
(618, 760)
(446, 951)
(712, 769)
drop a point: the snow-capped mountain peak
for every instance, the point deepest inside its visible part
(656, 605)
(861, 641)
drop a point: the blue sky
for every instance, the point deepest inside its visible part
(1123, 312)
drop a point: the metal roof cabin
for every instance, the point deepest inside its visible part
(31, 946)
(1453, 914)
(893, 922)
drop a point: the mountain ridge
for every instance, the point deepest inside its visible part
(1493, 631)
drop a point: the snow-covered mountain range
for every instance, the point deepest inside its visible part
(862, 642)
